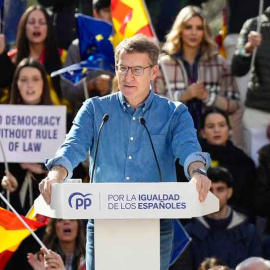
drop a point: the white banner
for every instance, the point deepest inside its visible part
(126, 201)
(31, 133)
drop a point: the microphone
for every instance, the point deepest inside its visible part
(104, 120)
(143, 122)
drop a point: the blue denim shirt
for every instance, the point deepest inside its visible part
(125, 153)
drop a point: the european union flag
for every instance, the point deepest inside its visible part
(95, 48)
(94, 36)
(180, 241)
(76, 72)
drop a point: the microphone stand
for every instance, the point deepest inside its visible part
(143, 122)
(104, 120)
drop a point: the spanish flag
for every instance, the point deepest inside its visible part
(222, 34)
(12, 233)
(130, 18)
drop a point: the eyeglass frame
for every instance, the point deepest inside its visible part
(130, 68)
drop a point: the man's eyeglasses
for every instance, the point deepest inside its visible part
(136, 71)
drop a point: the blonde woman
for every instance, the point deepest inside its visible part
(198, 76)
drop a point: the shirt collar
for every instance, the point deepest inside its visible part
(146, 104)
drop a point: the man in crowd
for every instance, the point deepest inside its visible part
(226, 234)
(124, 145)
(257, 112)
(98, 83)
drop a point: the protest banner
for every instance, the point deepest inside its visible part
(31, 133)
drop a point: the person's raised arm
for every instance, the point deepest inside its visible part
(242, 58)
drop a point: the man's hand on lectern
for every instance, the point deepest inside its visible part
(56, 175)
(203, 184)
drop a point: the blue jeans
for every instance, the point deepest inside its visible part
(166, 239)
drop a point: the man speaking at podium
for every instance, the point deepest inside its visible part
(142, 135)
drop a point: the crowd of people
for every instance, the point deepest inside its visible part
(233, 128)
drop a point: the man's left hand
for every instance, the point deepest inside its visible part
(203, 184)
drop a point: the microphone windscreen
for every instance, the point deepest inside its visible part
(105, 117)
(142, 121)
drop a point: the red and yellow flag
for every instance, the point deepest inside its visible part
(129, 18)
(222, 34)
(12, 233)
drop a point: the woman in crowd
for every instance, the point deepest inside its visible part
(197, 74)
(35, 39)
(215, 132)
(66, 238)
(29, 87)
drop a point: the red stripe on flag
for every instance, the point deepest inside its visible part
(4, 258)
(119, 10)
(10, 221)
(146, 30)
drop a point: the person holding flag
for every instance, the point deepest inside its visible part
(67, 238)
(252, 54)
(98, 82)
(124, 145)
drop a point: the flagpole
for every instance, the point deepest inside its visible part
(258, 31)
(86, 95)
(6, 168)
(164, 71)
(24, 223)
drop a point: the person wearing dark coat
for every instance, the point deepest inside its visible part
(64, 20)
(262, 191)
(27, 190)
(215, 140)
(215, 132)
(226, 234)
(257, 112)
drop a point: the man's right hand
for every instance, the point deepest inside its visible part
(254, 41)
(56, 175)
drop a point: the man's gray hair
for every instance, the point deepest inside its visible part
(138, 44)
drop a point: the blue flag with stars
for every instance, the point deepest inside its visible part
(96, 49)
(94, 37)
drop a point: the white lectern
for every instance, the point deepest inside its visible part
(127, 228)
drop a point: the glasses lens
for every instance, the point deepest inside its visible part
(122, 69)
(137, 71)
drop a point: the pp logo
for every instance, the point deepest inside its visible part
(78, 200)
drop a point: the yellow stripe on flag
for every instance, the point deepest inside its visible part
(139, 17)
(129, 18)
(10, 238)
